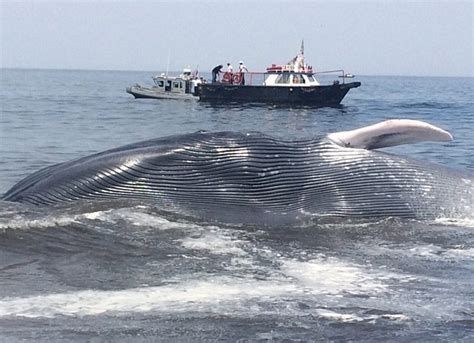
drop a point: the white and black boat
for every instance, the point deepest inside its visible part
(169, 87)
(293, 83)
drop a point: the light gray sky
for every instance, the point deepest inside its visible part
(364, 37)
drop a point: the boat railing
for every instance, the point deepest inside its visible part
(336, 71)
(257, 78)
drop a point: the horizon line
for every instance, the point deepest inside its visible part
(178, 71)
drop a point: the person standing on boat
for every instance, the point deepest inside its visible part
(227, 77)
(215, 72)
(242, 69)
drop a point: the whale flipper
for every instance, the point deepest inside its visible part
(390, 133)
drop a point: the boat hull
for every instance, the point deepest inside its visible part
(150, 93)
(315, 95)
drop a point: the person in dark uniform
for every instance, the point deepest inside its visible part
(215, 72)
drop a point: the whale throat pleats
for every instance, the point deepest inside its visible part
(252, 178)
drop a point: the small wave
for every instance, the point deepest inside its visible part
(461, 222)
(430, 105)
(137, 216)
(19, 222)
(330, 222)
(351, 317)
(459, 252)
(427, 251)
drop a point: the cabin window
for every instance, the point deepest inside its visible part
(298, 78)
(175, 84)
(310, 78)
(283, 78)
(161, 84)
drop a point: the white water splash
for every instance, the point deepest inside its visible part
(215, 241)
(223, 295)
(351, 318)
(220, 295)
(132, 216)
(331, 276)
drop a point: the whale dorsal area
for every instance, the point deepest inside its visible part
(390, 133)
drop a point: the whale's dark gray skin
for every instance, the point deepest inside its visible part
(254, 178)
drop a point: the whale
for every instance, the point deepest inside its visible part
(254, 178)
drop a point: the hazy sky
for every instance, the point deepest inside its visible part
(364, 37)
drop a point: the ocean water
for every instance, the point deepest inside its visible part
(136, 274)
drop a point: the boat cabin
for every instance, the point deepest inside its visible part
(285, 79)
(295, 73)
(182, 84)
(172, 84)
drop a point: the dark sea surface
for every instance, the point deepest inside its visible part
(135, 274)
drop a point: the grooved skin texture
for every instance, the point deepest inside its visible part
(253, 178)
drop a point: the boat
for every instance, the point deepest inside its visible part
(169, 87)
(292, 83)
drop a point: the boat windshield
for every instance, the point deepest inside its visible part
(287, 78)
(283, 78)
